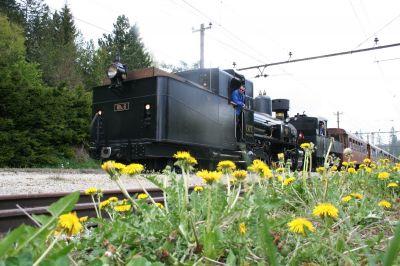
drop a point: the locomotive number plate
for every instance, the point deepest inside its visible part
(118, 107)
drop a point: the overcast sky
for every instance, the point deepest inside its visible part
(363, 87)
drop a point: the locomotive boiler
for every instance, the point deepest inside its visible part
(148, 115)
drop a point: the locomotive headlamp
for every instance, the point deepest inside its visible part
(116, 72)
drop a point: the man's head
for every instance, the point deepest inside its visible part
(242, 89)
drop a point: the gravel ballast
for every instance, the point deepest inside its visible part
(34, 181)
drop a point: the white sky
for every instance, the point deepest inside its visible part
(254, 32)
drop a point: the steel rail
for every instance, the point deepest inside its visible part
(11, 216)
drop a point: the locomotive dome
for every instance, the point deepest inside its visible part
(263, 103)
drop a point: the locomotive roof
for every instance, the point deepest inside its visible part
(147, 73)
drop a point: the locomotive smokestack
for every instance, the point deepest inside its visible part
(281, 108)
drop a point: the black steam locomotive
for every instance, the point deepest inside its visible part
(148, 115)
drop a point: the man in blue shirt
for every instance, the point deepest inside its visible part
(238, 98)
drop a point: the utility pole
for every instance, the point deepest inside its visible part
(337, 117)
(202, 29)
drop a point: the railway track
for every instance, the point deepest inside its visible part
(14, 208)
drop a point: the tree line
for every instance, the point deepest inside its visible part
(47, 71)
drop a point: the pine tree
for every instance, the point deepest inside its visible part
(125, 42)
(12, 10)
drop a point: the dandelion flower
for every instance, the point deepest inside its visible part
(305, 146)
(299, 225)
(320, 170)
(351, 170)
(257, 166)
(367, 161)
(240, 174)
(122, 208)
(266, 173)
(91, 191)
(357, 195)
(132, 169)
(159, 205)
(113, 199)
(142, 196)
(392, 184)
(326, 210)
(288, 181)
(242, 228)
(209, 177)
(186, 157)
(347, 198)
(334, 168)
(83, 219)
(226, 166)
(280, 170)
(70, 223)
(385, 204)
(198, 189)
(104, 204)
(383, 175)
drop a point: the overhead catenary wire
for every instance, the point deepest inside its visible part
(322, 56)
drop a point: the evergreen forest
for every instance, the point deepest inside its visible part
(47, 72)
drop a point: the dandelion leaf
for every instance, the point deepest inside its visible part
(13, 237)
(65, 204)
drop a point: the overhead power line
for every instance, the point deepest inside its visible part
(322, 56)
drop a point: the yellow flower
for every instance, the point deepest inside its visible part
(83, 219)
(288, 181)
(112, 168)
(267, 173)
(320, 170)
(280, 178)
(226, 166)
(362, 166)
(104, 204)
(346, 198)
(132, 169)
(325, 210)
(385, 204)
(351, 170)
(240, 174)
(281, 157)
(198, 189)
(280, 170)
(112, 199)
(257, 166)
(368, 169)
(122, 208)
(367, 161)
(383, 175)
(242, 228)
(91, 191)
(185, 156)
(159, 205)
(357, 195)
(299, 225)
(392, 184)
(142, 196)
(345, 164)
(334, 168)
(70, 223)
(209, 177)
(305, 146)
